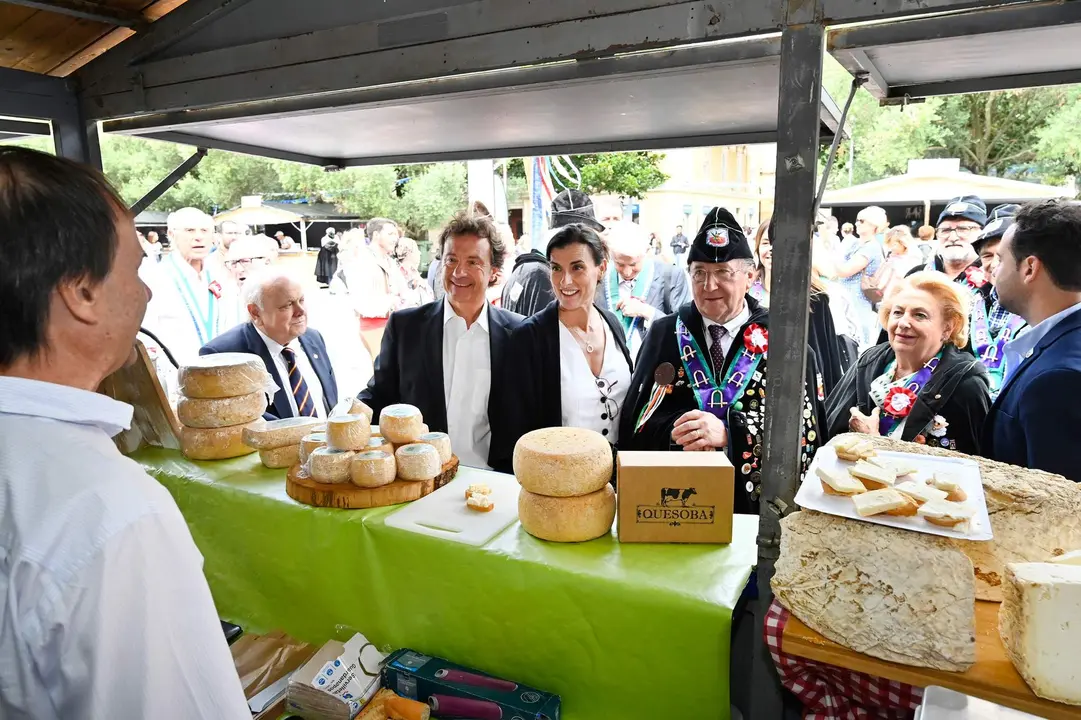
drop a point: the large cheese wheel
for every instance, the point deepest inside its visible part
(223, 375)
(441, 442)
(216, 443)
(417, 462)
(373, 469)
(348, 432)
(568, 519)
(401, 424)
(279, 433)
(330, 466)
(221, 412)
(310, 442)
(563, 462)
(282, 457)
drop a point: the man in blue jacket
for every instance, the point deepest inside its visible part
(1035, 419)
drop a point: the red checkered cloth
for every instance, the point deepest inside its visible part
(832, 693)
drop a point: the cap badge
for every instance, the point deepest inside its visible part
(958, 208)
(717, 237)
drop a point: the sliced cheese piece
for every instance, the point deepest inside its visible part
(899, 468)
(873, 477)
(945, 513)
(568, 519)
(223, 375)
(1040, 625)
(920, 492)
(480, 503)
(417, 461)
(477, 489)
(217, 443)
(330, 466)
(279, 433)
(374, 468)
(951, 485)
(348, 432)
(836, 483)
(282, 457)
(846, 443)
(1070, 558)
(221, 412)
(563, 461)
(359, 407)
(878, 502)
(441, 442)
(310, 442)
(401, 424)
(897, 595)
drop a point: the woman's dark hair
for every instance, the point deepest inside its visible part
(582, 234)
(59, 220)
(1051, 231)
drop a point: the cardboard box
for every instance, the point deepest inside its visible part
(675, 497)
(454, 691)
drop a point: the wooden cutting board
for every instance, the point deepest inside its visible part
(300, 487)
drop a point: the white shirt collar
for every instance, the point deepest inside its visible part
(275, 347)
(33, 398)
(449, 314)
(1027, 341)
(733, 326)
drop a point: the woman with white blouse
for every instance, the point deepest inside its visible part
(569, 365)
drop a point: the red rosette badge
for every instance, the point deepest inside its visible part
(899, 402)
(976, 277)
(756, 339)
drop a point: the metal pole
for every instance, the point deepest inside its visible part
(797, 158)
(304, 235)
(171, 179)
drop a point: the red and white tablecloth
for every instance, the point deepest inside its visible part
(833, 693)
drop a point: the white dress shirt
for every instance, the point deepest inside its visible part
(1020, 348)
(175, 316)
(732, 327)
(104, 609)
(306, 371)
(589, 401)
(467, 384)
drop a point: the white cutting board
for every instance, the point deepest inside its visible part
(443, 514)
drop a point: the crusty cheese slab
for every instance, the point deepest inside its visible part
(879, 502)
(836, 483)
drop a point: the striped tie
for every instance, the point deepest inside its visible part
(305, 405)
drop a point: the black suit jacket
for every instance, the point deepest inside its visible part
(409, 368)
(531, 380)
(1035, 419)
(245, 339)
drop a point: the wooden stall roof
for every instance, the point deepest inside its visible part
(57, 37)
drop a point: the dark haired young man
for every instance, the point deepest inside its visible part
(104, 610)
(1035, 419)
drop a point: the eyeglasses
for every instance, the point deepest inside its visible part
(245, 262)
(964, 230)
(721, 276)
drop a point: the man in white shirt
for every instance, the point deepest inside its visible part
(295, 355)
(442, 357)
(104, 610)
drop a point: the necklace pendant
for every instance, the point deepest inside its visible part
(589, 347)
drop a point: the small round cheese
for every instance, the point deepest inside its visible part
(282, 457)
(373, 469)
(348, 432)
(380, 443)
(568, 519)
(216, 443)
(401, 424)
(310, 442)
(279, 433)
(330, 466)
(441, 442)
(221, 412)
(361, 408)
(223, 375)
(563, 461)
(417, 462)
(376, 432)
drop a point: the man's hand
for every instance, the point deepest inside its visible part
(633, 307)
(697, 431)
(867, 424)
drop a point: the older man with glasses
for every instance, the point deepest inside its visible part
(959, 226)
(700, 379)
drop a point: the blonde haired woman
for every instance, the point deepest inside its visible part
(901, 251)
(862, 258)
(920, 385)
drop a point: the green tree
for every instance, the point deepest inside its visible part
(432, 197)
(1059, 145)
(630, 174)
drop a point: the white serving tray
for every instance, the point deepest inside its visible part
(812, 497)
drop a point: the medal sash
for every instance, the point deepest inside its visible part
(888, 423)
(709, 396)
(642, 284)
(204, 323)
(989, 348)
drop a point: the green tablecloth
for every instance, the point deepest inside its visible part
(619, 631)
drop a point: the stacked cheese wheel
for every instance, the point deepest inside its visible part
(565, 474)
(418, 454)
(222, 396)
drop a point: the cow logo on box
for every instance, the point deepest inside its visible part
(676, 508)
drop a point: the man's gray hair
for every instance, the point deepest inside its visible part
(186, 217)
(628, 238)
(256, 285)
